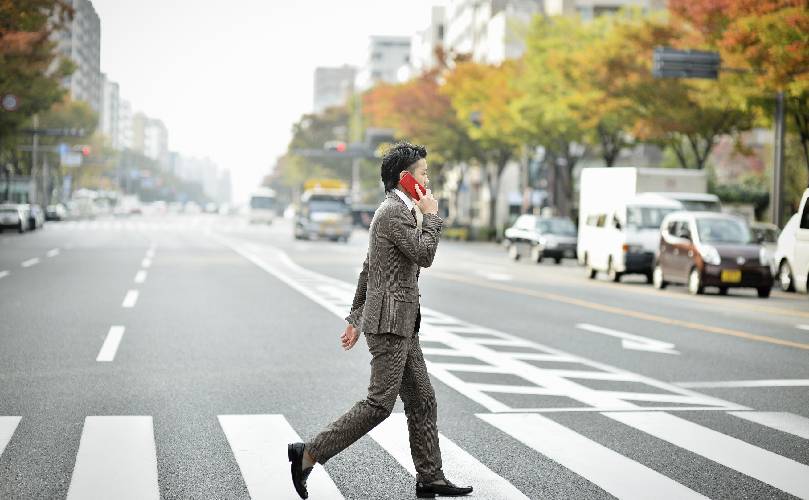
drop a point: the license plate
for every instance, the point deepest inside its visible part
(731, 276)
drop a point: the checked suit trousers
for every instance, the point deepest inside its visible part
(397, 369)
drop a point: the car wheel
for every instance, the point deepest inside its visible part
(20, 228)
(657, 278)
(695, 286)
(723, 290)
(514, 252)
(649, 278)
(763, 292)
(536, 255)
(557, 260)
(785, 280)
(591, 273)
(614, 275)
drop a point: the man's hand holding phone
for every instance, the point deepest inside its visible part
(426, 203)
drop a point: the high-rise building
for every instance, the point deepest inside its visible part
(388, 61)
(427, 41)
(80, 41)
(125, 125)
(491, 31)
(151, 138)
(589, 9)
(109, 114)
(333, 86)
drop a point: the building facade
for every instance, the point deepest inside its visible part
(590, 9)
(110, 113)
(80, 41)
(150, 137)
(388, 61)
(332, 86)
(426, 42)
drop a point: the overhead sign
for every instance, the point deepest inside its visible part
(672, 63)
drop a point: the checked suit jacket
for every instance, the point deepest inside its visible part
(387, 295)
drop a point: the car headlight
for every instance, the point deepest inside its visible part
(764, 256)
(710, 255)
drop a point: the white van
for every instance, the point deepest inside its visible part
(624, 240)
(792, 252)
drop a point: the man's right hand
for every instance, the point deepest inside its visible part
(349, 337)
(426, 203)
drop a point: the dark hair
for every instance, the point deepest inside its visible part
(401, 156)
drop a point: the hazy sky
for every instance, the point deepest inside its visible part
(230, 78)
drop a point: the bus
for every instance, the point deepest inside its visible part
(262, 206)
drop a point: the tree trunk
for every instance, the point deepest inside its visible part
(800, 113)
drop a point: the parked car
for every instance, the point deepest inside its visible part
(13, 216)
(766, 235)
(624, 239)
(541, 237)
(792, 251)
(55, 212)
(702, 249)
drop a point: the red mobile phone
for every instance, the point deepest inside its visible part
(409, 183)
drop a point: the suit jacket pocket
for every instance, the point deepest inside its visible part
(405, 310)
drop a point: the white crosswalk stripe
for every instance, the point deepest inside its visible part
(463, 467)
(116, 459)
(611, 471)
(766, 466)
(783, 421)
(117, 455)
(259, 443)
(7, 427)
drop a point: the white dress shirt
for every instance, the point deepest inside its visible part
(411, 205)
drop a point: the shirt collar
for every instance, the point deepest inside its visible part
(408, 201)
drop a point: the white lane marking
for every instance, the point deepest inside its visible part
(146, 262)
(7, 427)
(795, 382)
(462, 337)
(614, 473)
(150, 253)
(631, 341)
(3, 274)
(110, 346)
(140, 277)
(53, 253)
(259, 444)
(131, 299)
(780, 472)
(116, 459)
(31, 262)
(778, 420)
(391, 435)
(802, 327)
(494, 276)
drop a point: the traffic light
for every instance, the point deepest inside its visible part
(85, 151)
(338, 146)
(671, 63)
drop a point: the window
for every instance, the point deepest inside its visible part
(671, 228)
(646, 217)
(715, 230)
(805, 216)
(562, 227)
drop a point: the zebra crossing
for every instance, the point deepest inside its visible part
(118, 456)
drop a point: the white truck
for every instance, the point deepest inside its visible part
(792, 252)
(620, 210)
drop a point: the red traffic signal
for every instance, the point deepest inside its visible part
(338, 146)
(85, 150)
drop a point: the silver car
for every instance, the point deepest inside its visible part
(13, 216)
(541, 237)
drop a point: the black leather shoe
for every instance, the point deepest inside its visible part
(299, 476)
(431, 490)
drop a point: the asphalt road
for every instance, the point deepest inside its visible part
(175, 358)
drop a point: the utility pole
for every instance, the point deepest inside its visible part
(777, 202)
(34, 151)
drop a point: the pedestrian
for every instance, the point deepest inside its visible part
(403, 238)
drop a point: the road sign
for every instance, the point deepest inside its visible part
(71, 159)
(10, 102)
(671, 63)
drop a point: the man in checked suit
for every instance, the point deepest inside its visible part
(403, 238)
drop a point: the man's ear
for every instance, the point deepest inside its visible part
(402, 174)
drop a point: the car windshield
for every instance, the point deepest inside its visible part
(8, 211)
(723, 231)
(328, 206)
(638, 217)
(265, 202)
(701, 206)
(562, 227)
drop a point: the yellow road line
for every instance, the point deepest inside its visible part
(623, 312)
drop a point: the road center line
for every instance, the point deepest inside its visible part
(110, 346)
(146, 263)
(130, 299)
(31, 262)
(140, 277)
(623, 312)
(53, 253)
